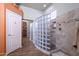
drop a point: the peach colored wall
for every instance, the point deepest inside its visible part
(13, 8)
(2, 29)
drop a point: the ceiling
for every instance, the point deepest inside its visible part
(37, 6)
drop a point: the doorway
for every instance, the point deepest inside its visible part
(24, 33)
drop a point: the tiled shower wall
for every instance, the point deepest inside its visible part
(67, 26)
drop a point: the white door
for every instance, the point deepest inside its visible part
(18, 30)
(13, 31)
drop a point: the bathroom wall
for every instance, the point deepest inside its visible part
(30, 13)
(66, 32)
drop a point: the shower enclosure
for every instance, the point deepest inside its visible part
(44, 33)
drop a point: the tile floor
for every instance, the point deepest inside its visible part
(59, 53)
(28, 49)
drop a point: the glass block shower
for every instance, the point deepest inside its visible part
(44, 36)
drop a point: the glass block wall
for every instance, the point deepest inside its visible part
(44, 33)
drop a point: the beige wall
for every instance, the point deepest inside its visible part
(67, 36)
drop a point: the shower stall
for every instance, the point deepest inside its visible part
(67, 32)
(44, 33)
(57, 34)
